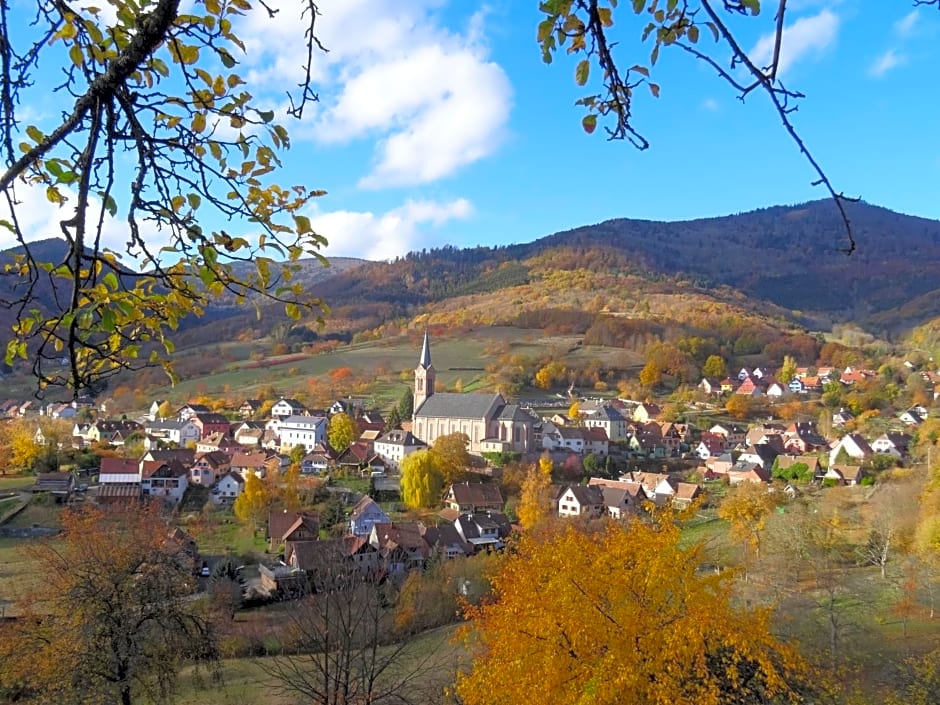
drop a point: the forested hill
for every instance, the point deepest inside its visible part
(788, 255)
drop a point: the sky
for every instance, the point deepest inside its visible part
(439, 124)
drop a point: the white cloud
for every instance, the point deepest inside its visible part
(884, 63)
(907, 24)
(429, 97)
(386, 235)
(806, 37)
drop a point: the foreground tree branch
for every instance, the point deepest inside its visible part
(161, 87)
(585, 28)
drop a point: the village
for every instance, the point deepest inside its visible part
(611, 458)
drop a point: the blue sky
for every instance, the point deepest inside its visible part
(439, 124)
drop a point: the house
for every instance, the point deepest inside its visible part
(445, 540)
(211, 423)
(810, 461)
(306, 431)
(248, 433)
(249, 408)
(474, 497)
(112, 432)
(711, 387)
(282, 523)
(748, 472)
(796, 386)
(58, 484)
(621, 498)
(854, 446)
(285, 408)
(849, 475)
(733, 434)
(842, 417)
(317, 461)
(646, 412)
(487, 420)
(608, 418)
(396, 445)
(710, 445)
(259, 463)
(894, 444)
(595, 441)
(179, 433)
(401, 546)
(366, 514)
(207, 468)
(749, 387)
(119, 471)
(775, 390)
(913, 417)
(483, 530)
(802, 437)
(686, 493)
(560, 438)
(331, 558)
(582, 501)
(762, 454)
(228, 488)
(185, 413)
(154, 412)
(647, 439)
(167, 480)
(185, 456)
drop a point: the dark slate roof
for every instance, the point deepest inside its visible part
(460, 406)
(514, 412)
(425, 359)
(587, 494)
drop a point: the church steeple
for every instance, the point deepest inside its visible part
(425, 359)
(424, 374)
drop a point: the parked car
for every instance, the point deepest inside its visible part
(204, 571)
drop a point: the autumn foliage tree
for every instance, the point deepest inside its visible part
(110, 621)
(534, 504)
(342, 431)
(153, 125)
(422, 481)
(251, 506)
(746, 509)
(621, 615)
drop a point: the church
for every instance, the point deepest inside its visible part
(487, 420)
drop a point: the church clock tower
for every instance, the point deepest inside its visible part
(424, 375)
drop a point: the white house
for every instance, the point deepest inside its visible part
(287, 407)
(304, 431)
(228, 488)
(609, 419)
(396, 445)
(855, 447)
(167, 480)
(119, 471)
(562, 438)
(178, 432)
(894, 444)
(582, 500)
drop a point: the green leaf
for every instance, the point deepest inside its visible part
(111, 281)
(693, 34)
(581, 72)
(35, 134)
(266, 115)
(589, 123)
(638, 6)
(228, 61)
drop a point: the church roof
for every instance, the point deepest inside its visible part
(425, 359)
(460, 406)
(514, 412)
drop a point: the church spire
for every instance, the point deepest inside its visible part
(425, 376)
(425, 360)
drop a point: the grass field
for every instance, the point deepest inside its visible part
(17, 573)
(250, 682)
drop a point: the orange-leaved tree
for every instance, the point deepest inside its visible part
(535, 503)
(621, 615)
(109, 621)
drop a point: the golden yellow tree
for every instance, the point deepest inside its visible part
(451, 457)
(421, 480)
(621, 615)
(534, 503)
(342, 431)
(746, 509)
(252, 504)
(18, 447)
